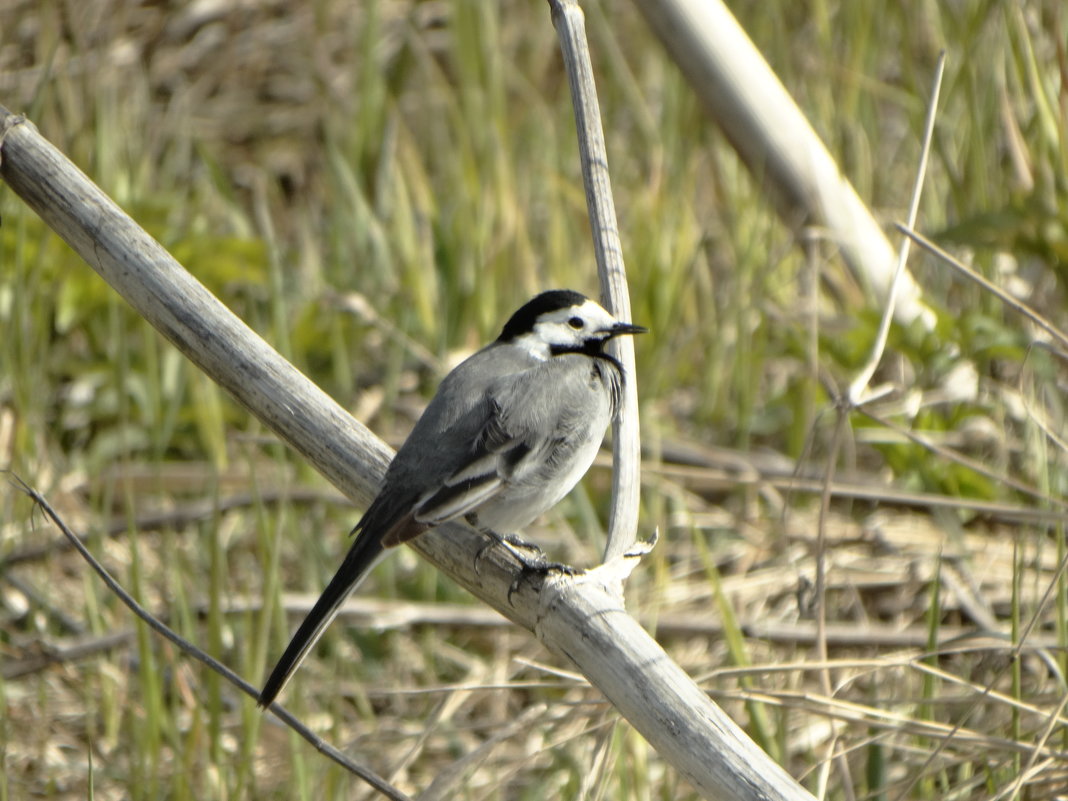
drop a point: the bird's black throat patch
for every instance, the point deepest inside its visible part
(594, 348)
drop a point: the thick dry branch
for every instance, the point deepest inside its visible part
(775, 140)
(579, 619)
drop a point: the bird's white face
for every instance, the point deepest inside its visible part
(569, 328)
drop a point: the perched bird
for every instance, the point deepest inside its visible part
(510, 431)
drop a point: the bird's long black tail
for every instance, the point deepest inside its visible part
(362, 556)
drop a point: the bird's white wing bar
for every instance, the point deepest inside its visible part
(455, 500)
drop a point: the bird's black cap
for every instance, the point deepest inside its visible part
(522, 322)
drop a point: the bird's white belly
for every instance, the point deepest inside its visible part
(521, 502)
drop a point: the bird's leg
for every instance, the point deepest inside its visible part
(525, 553)
(515, 541)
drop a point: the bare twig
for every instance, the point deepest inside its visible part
(1013, 303)
(858, 393)
(972, 464)
(859, 388)
(205, 659)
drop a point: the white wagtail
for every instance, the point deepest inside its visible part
(510, 431)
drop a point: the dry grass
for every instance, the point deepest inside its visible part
(417, 159)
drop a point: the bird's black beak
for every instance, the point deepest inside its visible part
(624, 328)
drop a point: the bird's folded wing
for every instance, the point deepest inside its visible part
(492, 461)
(456, 500)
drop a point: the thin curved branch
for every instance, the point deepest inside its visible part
(626, 441)
(206, 659)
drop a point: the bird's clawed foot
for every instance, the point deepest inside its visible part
(538, 565)
(531, 559)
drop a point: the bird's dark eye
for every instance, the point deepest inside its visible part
(577, 323)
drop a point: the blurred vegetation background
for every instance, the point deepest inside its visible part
(374, 187)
